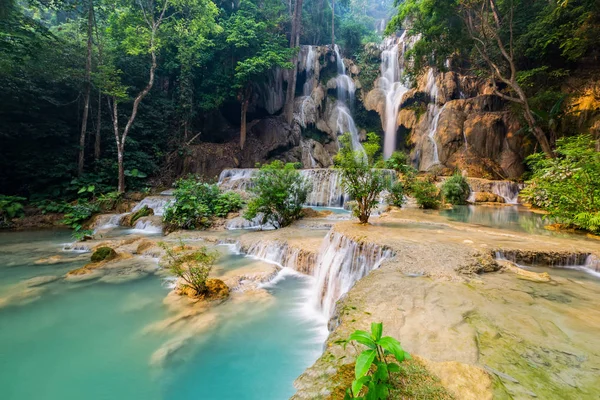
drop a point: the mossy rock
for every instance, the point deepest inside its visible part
(103, 254)
(132, 218)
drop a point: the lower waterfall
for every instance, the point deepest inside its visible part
(343, 262)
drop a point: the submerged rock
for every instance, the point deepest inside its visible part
(103, 254)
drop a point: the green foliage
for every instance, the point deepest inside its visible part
(103, 253)
(279, 194)
(360, 179)
(399, 162)
(228, 202)
(372, 370)
(568, 186)
(10, 207)
(49, 206)
(197, 202)
(193, 267)
(76, 215)
(396, 195)
(426, 194)
(109, 201)
(455, 190)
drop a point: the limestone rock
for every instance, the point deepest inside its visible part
(103, 254)
(486, 197)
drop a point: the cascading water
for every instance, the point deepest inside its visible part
(326, 189)
(156, 203)
(507, 190)
(342, 262)
(390, 83)
(309, 65)
(433, 112)
(346, 90)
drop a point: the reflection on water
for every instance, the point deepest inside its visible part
(90, 340)
(514, 218)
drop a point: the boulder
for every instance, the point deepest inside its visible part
(103, 254)
(486, 197)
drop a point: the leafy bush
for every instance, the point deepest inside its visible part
(279, 194)
(372, 369)
(360, 179)
(79, 213)
(192, 267)
(10, 207)
(109, 201)
(396, 195)
(399, 162)
(568, 186)
(426, 194)
(49, 206)
(228, 202)
(196, 203)
(456, 189)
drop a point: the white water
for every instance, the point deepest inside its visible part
(507, 190)
(147, 226)
(346, 90)
(156, 203)
(342, 262)
(433, 113)
(394, 89)
(309, 64)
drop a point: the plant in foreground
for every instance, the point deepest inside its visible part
(372, 371)
(10, 207)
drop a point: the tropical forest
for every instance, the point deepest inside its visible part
(299, 199)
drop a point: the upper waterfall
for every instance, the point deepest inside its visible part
(393, 87)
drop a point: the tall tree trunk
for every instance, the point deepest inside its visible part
(332, 23)
(98, 126)
(245, 102)
(288, 110)
(88, 88)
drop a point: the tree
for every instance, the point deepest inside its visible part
(360, 179)
(492, 33)
(294, 44)
(257, 48)
(88, 88)
(279, 194)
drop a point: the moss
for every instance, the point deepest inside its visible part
(412, 382)
(103, 254)
(142, 212)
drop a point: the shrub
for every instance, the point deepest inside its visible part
(426, 194)
(76, 215)
(372, 369)
(360, 179)
(279, 194)
(399, 162)
(455, 190)
(192, 267)
(396, 195)
(196, 203)
(10, 207)
(228, 202)
(568, 186)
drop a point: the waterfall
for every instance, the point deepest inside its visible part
(433, 112)
(346, 90)
(326, 189)
(507, 190)
(281, 254)
(156, 203)
(390, 83)
(236, 179)
(309, 66)
(341, 263)
(148, 226)
(108, 221)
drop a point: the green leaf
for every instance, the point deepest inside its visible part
(363, 337)
(393, 346)
(83, 189)
(382, 372)
(382, 392)
(376, 330)
(393, 367)
(358, 384)
(363, 363)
